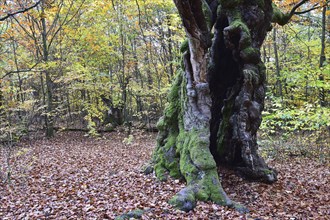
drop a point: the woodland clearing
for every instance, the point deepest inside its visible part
(76, 177)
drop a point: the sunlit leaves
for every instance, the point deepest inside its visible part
(95, 48)
(303, 82)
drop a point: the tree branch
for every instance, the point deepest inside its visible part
(283, 18)
(19, 71)
(316, 6)
(9, 14)
(293, 10)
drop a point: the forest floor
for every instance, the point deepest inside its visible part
(76, 177)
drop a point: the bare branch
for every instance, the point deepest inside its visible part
(316, 6)
(66, 20)
(306, 11)
(19, 71)
(293, 10)
(10, 14)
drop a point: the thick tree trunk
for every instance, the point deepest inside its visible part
(215, 104)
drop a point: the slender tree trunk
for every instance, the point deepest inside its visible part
(322, 56)
(139, 78)
(49, 83)
(69, 109)
(215, 103)
(170, 47)
(43, 97)
(20, 97)
(264, 54)
(1, 98)
(277, 65)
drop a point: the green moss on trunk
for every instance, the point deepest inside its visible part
(199, 170)
(224, 127)
(183, 143)
(166, 156)
(186, 153)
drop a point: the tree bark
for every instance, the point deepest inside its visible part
(215, 103)
(322, 56)
(278, 90)
(49, 83)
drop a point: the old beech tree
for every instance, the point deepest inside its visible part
(216, 101)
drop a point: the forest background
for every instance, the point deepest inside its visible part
(99, 66)
(95, 65)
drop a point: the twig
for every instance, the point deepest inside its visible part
(19, 71)
(19, 11)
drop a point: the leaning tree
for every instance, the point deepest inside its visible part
(216, 100)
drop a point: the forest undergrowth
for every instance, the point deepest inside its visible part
(76, 177)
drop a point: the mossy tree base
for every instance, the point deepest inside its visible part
(183, 147)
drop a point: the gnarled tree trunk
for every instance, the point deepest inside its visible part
(216, 101)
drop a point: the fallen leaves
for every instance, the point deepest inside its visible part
(76, 177)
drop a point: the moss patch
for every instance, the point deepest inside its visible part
(136, 214)
(250, 55)
(279, 17)
(166, 156)
(184, 46)
(198, 167)
(224, 126)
